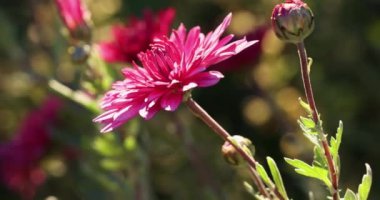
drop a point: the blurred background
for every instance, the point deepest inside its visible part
(50, 149)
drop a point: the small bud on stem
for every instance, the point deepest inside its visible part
(292, 21)
(230, 154)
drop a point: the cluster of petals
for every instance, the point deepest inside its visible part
(171, 68)
(20, 157)
(132, 38)
(74, 13)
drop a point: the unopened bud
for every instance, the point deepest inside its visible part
(79, 52)
(230, 154)
(292, 21)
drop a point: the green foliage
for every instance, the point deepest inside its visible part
(350, 195)
(305, 106)
(263, 174)
(310, 171)
(335, 144)
(319, 158)
(276, 176)
(248, 187)
(107, 145)
(365, 186)
(308, 128)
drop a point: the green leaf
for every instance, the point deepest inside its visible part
(305, 105)
(248, 187)
(365, 186)
(308, 128)
(263, 174)
(307, 122)
(310, 171)
(319, 157)
(277, 177)
(350, 195)
(335, 143)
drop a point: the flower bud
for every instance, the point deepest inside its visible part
(79, 52)
(230, 154)
(292, 21)
(76, 17)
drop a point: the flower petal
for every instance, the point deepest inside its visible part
(206, 79)
(171, 101)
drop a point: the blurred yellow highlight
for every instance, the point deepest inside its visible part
(103, 9)
(271, 74)
(257, 111)
(271, 45)
(55, 166)
(242, 23)
(287, 100)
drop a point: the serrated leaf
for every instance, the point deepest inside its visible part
(335, 143)
(310, 134)
(277, 177)
(365, 186)
(263, 174)
(310, 171)
(349, 195)
(307, 122)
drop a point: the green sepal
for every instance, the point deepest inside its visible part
(277, 177)
(310, 171)
(365, 186)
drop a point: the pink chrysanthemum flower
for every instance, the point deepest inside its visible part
(130, 39)
(171, 68)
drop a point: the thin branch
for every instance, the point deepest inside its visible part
(310, 98)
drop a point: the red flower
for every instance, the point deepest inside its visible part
(19, 158)
(170, 69)
(128, 40)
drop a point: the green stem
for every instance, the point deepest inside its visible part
(76, 96)
(314, 112)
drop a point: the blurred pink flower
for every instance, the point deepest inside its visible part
(19, 158)
(134, 37)
(75, 16)
(172, 67)
(246, 58)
